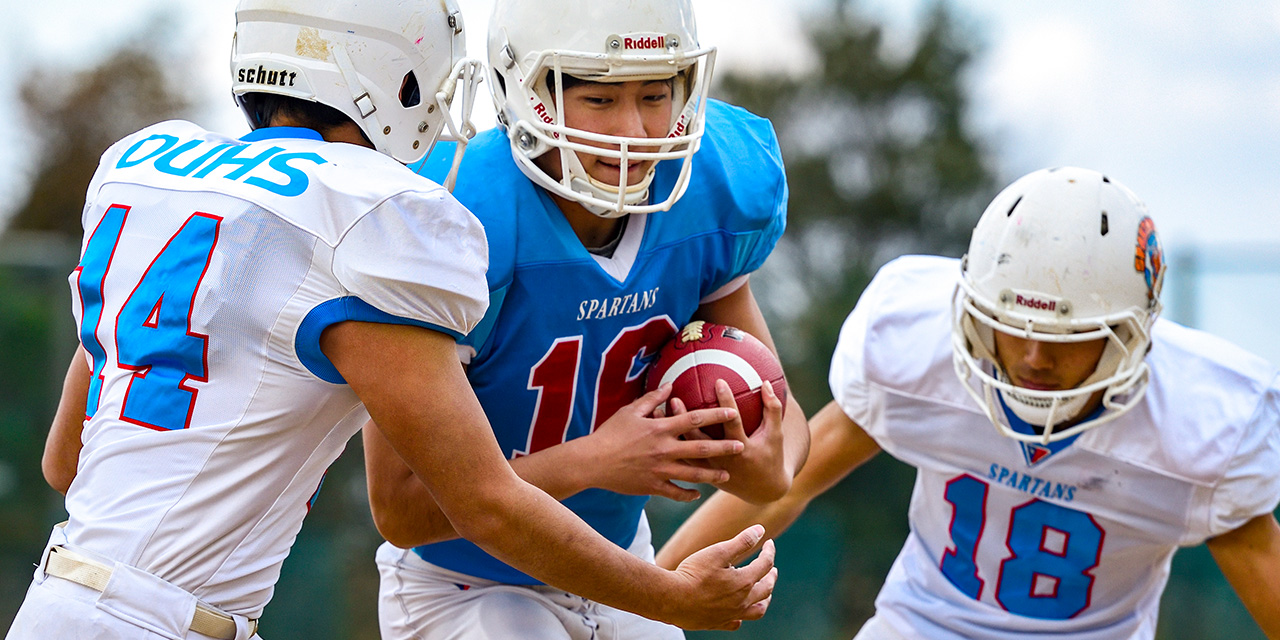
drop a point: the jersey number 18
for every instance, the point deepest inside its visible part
(1051, 550)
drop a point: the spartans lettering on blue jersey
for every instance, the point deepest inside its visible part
(610, 307)
(576, 330)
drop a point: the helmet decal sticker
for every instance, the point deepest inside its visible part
(1148, 257)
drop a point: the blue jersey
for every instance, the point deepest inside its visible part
(568, 335)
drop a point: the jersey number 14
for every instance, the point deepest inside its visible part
(153, 336)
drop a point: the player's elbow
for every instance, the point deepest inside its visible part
(58, 472)
(483, 522)
(393, 531)
(407, 527)
(489, 515)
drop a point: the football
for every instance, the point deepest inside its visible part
(704, 352)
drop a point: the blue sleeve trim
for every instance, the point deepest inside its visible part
(478, 339)
(307, 342)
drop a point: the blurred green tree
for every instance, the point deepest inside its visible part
(881, 161)
(78, 114)
(75, 115)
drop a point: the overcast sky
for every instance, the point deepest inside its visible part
(1180, 101)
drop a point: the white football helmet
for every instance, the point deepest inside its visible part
(395, 68)
(602, 41)
(1061, 255)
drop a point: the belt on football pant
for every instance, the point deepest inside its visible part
(69, 565)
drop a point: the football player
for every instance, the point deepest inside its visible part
(619, 203)
(237, 302)
(1118, 437)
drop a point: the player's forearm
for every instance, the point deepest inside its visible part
(839, 446)
(561, 471)
(442, 436)
(1249, 558)
(62, 447)
(408, 516)
(796, 445)
(721, 517)
(526, 528)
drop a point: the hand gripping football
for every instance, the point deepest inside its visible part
(703, 353)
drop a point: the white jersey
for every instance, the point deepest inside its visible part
(1073, 539)
(210, 266)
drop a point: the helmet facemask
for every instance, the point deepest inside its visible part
(455, 101)
(1121, 374)
(528, 87)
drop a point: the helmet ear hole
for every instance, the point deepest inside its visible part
(410, 92)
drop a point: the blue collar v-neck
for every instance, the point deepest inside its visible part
(1035, 452)
(274, 133)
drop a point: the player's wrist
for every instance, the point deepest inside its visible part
(576, 465)
(765, 491)
(669, 596)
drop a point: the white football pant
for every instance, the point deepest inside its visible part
(421, 601)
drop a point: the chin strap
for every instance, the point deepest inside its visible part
(580, 181)
(470, 73)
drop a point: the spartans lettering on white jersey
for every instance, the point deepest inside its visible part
(568, 334)
(209, 269)
(1074, 538)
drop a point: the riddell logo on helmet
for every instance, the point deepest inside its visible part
(644, 42)
(679, 129)
(540, 110)
(1034, 303)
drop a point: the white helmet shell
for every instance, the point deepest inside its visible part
(358, 58)
(1061, 255)
(533, 40)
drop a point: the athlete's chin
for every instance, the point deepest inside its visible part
(1039, 385)
(612, 174)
